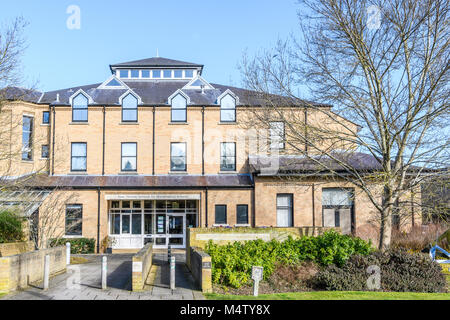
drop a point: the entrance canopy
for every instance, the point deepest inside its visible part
(24, 202)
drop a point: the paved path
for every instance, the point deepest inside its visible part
(83, 282)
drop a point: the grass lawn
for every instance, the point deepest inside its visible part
(336, 295)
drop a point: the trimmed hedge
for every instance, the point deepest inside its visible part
(232, 263)
(10, 227)
(399, 271)
(77, 245)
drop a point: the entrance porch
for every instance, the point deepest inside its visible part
(161, 219)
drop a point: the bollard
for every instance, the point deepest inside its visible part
(104, 272)
(169, 253)
(46, 271)
(172, 272)
(67, 253)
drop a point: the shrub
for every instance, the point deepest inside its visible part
(232, 263)
(400, 271)
(419, 238)
(77, 245)
(298, 277)
(10, 227)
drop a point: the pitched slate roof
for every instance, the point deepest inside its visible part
(156, 62)
(23, 94)
(300, 164)
(139, 181)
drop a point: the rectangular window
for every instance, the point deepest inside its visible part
(129, 156)
(45, 117)
(242, 214)
(115, 224)
(337, 208)
(134, 73)
(74, 218)
(167, 73)
(136, 220)
(221, 214)
(145, 73)
(284, 210)
(123, 73)
(156, 73)
(44, 151)
(27, 137)
(79, 156)
(227, 156)
(178, 156)
(178, 73)
(188, 73)
(276, 132)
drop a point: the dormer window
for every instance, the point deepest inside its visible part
(145, 73)
(167, 73)
(178, 73)
(228, 109)
(123, 73)
(80, 108)
(188, 73)
(134, 74)
(156, 73)
(179, 104)
(129, 108)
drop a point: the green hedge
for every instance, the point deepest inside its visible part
(232, 263)
(77, 245)
(10, 227)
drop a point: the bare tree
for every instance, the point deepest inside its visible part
(383, 65)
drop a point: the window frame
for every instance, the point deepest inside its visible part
(336, 208)
(185, 110)
(43, 117)
(71, 157)
(227, 109)
(237, 217)
(185, 157)
(136, 109)
(87, 108)
(80, 218)
(291, 207)
(121, 157)
(215, 214)
(282, 137)
(222, 156)
(30, 138)
(42, 151)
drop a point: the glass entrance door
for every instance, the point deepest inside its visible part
(176, 226)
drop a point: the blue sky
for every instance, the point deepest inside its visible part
(213, 33)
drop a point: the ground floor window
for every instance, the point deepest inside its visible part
(242, 214)
(221, 214)
(74, 218)
(337, 208)
(284, 210)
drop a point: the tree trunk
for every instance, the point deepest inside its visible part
(386, 220)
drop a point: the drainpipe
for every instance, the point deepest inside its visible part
(206, 207)
(103, 147)
(203, 140)
(98, 220)
(153, 143)
(53, 142)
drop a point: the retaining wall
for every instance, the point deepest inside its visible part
(142, 263)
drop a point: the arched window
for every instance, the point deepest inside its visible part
(129, 108)
(80, 108)
(228, 109)
(179, 109)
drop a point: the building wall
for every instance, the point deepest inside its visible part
(11, 163)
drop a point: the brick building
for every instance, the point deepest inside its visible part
(155, 149)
